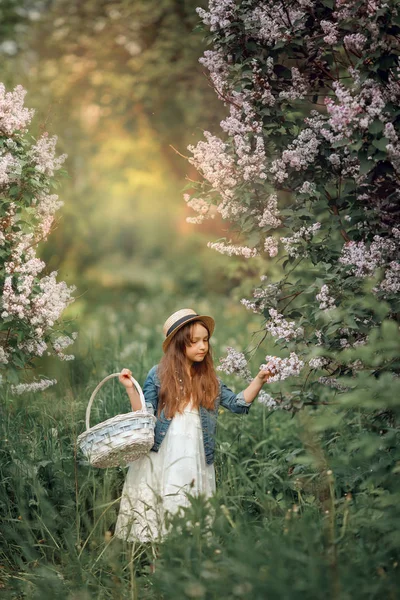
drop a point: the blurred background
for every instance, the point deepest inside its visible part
(120, 84)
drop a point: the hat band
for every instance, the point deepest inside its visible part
(179, 322)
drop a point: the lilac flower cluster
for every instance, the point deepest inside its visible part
(262, 297)
(294, 245)
(281, 328)
(365, 260)
(234, 363)
(232, 250)
(326, 301)
(14, 117)
(31, 303)
(282, 368)
(35, 386)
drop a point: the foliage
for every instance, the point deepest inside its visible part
(31, 302)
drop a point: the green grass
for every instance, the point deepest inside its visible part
(281, 528)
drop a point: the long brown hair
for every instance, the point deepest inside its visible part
(176, 386)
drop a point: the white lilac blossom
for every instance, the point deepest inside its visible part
(10, 169)
(282, 368)
(3, 356)
(271, 246)
(43, 155)
(270, 24)
(213, 161)
(214, 61)
(299, 155)
(270, 215)
(13, 115)
(298, 89)
(333, 383)
(36, 386)
(308, 187)
(262, 297)
(319, 362)
(232, 250)
(363, 260)
(220, 14)
(266, 399)
(201, 207)
(281, 328)
(294, 244)
(234, 363)
(326, 301)
(62, 342)
(391, 281)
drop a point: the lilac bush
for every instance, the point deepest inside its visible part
(32, 300)
(306, 170)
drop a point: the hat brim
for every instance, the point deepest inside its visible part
(209, 321)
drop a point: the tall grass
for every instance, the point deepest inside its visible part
(295, 514)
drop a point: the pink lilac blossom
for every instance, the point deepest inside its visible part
(354, 111)
(13, 115)
(293, 244)
(232, 250)
(331, 32)
(355, 42)
(326, 301)
(43, 154)
(282, 368)
(280, 328)
(36, 386)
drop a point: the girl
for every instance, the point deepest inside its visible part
(184, 393)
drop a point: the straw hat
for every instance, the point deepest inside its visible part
(181, 318)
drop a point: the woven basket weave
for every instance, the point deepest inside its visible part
(121, 439)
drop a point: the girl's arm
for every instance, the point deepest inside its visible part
(240, 403)
(150, 390)
(255, 386)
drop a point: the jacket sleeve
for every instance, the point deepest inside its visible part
(233, 402)
(150, 391)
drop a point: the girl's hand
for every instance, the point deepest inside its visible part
(264, 375)
(124, 378)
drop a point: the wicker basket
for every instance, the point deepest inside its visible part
(121, 439)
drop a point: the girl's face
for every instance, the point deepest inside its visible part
(199, 344)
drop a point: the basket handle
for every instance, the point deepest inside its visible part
(135, 383)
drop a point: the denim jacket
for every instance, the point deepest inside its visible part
(208, 418)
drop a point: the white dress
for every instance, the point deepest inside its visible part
(159, 481)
